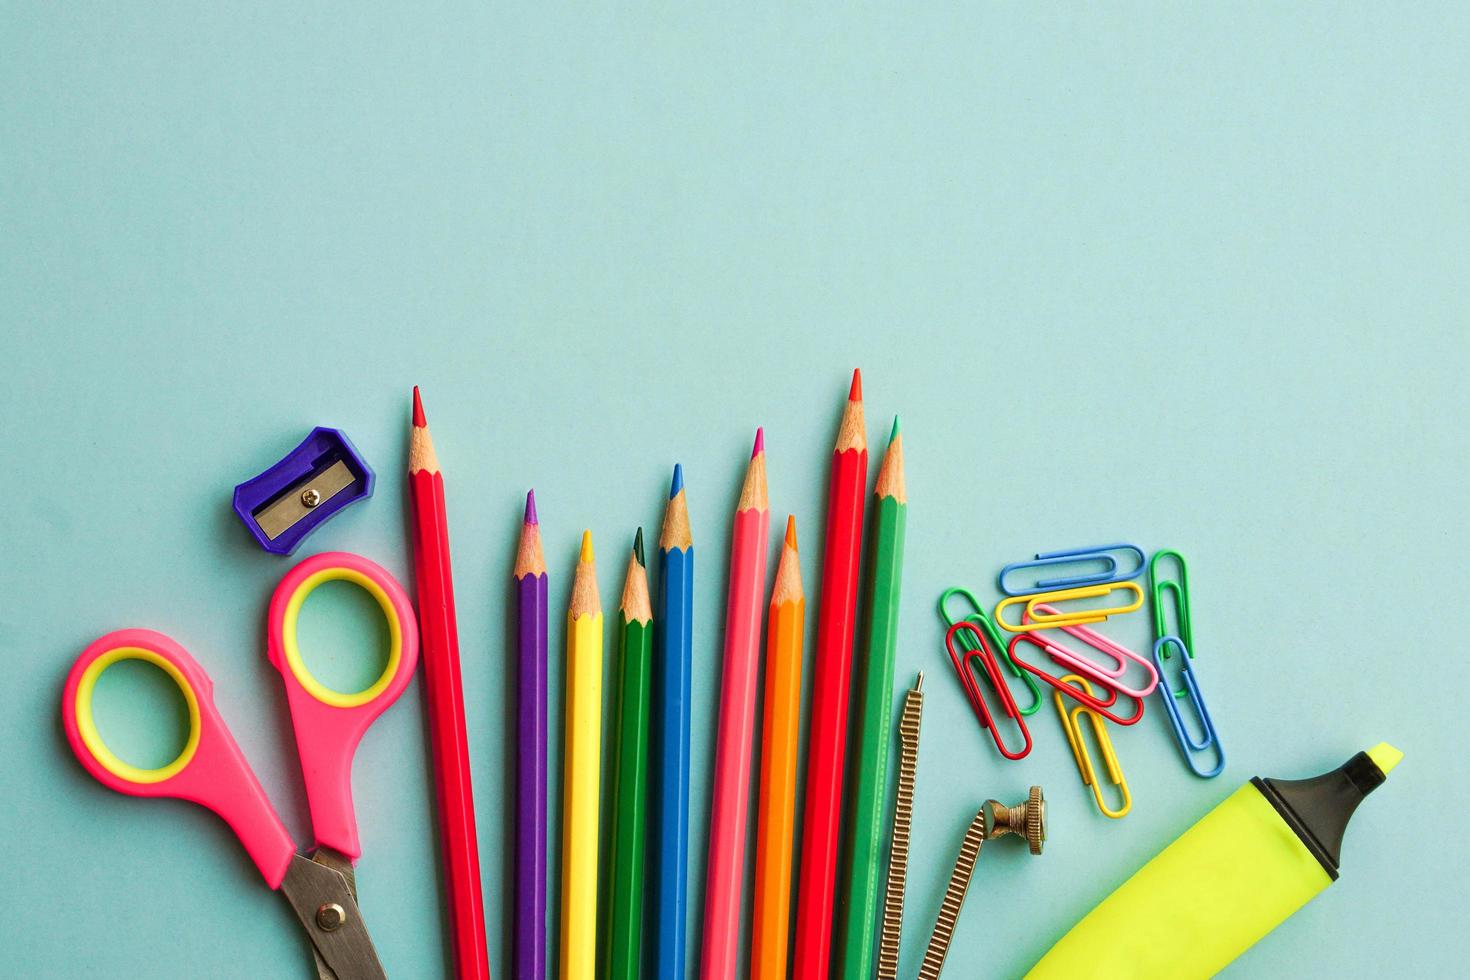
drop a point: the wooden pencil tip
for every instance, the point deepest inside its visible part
(787, 587)
(531, 507)
(894, 434)
(753, 492)
(855, 393)
(851, 432)
(418, 409)
(586, 555)
(638, 547)
(530, 559)
(675, 531)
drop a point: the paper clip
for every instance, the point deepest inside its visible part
(1180, 592)
(1031, 620)
(961, 657)
(1191, 688)
(1073, 729)
(1109, 676)
(1076, 556)
(1086, 698)
(978, 616)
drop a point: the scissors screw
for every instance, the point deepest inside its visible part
(331, 917)
(310, 497)
(1027, 819)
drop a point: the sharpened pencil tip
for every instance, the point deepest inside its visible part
(760, 442)
(894, 434)
(638, 547)
(791, 531)
(678, 482)
(418, 409)
(586, 555)
(531, 507)
(855, 393)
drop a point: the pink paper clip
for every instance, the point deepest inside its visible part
(961, 657)
(1101, 707)
(1109, 676)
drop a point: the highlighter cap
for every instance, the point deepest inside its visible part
(1318, 809)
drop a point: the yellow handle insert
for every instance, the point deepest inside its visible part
(92, 738)
(291, 649)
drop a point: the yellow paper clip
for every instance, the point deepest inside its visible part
(1073, 729)
(1032, 620)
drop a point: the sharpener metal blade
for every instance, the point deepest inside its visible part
(277, 518)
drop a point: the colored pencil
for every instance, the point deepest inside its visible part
(827, 741)
(885, 568)
(630, 775)
(730, 806)
(449, 744)
(583, 762)
(777, 813)
(669, 737)
(530, 827)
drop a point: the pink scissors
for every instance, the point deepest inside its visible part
(212, 772)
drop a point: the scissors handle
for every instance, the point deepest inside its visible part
(329, 724)
(210, 770)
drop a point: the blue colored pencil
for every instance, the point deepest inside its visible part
(668, 855)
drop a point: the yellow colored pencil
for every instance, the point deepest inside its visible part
(777, 811)
(583, 758)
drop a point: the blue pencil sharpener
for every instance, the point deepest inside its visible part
(314, 481)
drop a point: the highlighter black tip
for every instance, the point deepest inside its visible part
(1318, 809)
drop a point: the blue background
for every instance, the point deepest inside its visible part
(1193, 278)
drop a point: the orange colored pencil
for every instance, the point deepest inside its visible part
(779, 737)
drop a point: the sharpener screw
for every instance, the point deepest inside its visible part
(311, 496)
(330, 917)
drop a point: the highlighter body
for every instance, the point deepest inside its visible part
(1242, 870)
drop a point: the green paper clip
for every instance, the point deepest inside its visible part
(979, 617)
(1180, 590)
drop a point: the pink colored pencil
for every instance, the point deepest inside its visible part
(731, 804)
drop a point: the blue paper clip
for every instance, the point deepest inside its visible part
(1187, 743)
(978, 616)
(1102, 553)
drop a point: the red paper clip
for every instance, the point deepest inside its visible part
(982, 652)
(1101, 707)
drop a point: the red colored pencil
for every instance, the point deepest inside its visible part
(827, 740)
(439, 641)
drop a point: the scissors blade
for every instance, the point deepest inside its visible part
(322, 899)
(342, 864)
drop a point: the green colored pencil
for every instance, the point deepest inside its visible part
(630, 775)
(862, 884)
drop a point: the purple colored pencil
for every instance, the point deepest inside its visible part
(530, 825)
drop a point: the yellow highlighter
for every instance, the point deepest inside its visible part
(1238, 873)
